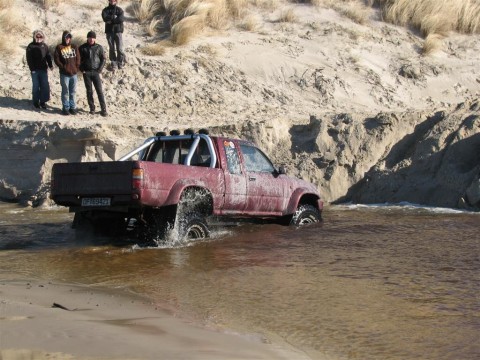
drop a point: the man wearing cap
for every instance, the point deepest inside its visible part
(67, 58)
(113, 17)
(91, 65)
(39, 60)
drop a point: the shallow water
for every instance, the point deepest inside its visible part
(367, 283)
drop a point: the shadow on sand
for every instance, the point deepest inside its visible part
(7, 102)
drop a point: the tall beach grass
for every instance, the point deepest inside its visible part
(433, 16)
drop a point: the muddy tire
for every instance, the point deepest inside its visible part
(193, 227)
(194, 207)
(305, 214)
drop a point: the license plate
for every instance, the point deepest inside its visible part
(96, 202)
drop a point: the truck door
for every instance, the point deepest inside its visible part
(235, 180)
(265, 188)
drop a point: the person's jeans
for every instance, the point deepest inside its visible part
(115, 49)
(89, 78)
(40, 86)
(69, 87)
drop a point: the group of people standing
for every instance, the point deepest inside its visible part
(89, 58)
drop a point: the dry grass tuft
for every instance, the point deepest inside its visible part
(287, 16)
(155, 49)
(434, 16)
(237, 8)
(356, 12)
(187, 18)
(154, 25)
(217, 15)
(250, 23)
(184, 30)
(145, 10)
(432, 43)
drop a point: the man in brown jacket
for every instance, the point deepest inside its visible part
(67, 58)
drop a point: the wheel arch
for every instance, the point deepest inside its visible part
(182, 187)
(301, 197)
(205, 205)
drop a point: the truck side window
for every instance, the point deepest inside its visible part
(233, 161)
(255, 160)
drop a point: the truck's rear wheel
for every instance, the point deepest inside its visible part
(305, 214)
(193, 227)
(193, 209)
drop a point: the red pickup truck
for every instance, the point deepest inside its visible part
(176, 185)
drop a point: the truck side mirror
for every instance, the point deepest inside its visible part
(281, 170)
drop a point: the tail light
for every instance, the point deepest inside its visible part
(137, 178)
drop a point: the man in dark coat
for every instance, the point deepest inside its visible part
(39, 60)
(67, 58)
(113, 17)
(91, 65)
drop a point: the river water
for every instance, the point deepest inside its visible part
(376, 282)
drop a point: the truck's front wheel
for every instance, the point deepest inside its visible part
(305, 214)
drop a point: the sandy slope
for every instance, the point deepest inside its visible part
(322, 62)
(52, 321)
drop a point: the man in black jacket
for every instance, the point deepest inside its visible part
(92, 60)
(39, 60)
(113, 17)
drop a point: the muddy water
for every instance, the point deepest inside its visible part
(367, 283)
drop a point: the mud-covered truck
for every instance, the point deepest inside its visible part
(179, 183)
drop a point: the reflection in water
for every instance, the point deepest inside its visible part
(367, 283)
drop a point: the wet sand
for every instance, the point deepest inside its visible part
(40, 320)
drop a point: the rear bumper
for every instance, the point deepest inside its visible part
(115, 200)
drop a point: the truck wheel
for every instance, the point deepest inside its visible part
(305, 214)
(193, 227)
(190, 223)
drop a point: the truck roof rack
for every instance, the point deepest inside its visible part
(195, 137)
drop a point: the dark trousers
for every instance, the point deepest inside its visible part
(115, 48)
(90, 77)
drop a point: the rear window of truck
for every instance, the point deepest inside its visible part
(175, 152)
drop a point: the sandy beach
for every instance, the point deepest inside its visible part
(42, 320)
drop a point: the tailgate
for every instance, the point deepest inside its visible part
(72, 181)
